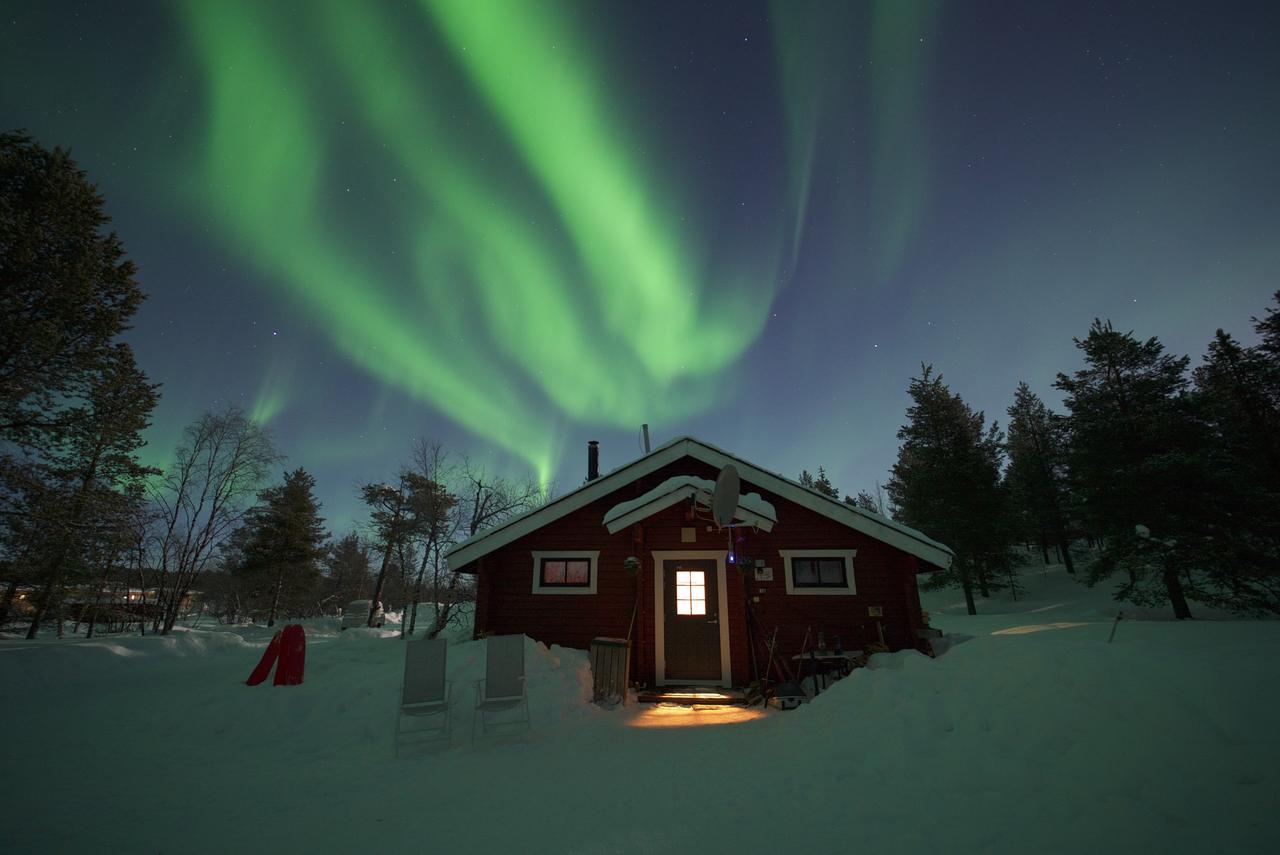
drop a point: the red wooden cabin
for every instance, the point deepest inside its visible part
(798, 560)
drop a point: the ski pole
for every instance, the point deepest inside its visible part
(1115, 624)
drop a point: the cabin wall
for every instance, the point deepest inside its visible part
(884, 576)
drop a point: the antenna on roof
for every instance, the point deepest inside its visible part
(724, 501)
(644, 428)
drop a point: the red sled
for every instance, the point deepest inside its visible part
(293, 656)
(264, 664)
(289, 646)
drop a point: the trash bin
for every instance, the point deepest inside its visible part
(610, 670)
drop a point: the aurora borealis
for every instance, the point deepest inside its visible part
(516, 226)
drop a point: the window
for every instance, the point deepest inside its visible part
(819, 571)
(691, 592)
(565, 572)
(573, 572)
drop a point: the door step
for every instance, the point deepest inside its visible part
(689, 696)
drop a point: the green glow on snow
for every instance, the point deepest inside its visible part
(540, 272)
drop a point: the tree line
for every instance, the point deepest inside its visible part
(281, 561)
(1171, 474)
(90, 535)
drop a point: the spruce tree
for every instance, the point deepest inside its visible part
(1233, 395)
(946, 482)
(866, 501)
(824, 486)
(1035, 477)
(72, 401)
(66, 289)
(287, 540)
(1234, 542)
(821, 483)
(1268, 327)
(1131, 459)
(347, 566)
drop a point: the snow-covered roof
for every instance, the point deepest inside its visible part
(751, 508)
(882, 528)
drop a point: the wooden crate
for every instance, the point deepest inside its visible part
(610, 670)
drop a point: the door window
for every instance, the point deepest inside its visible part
(691, 592)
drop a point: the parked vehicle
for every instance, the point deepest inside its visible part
(357, 614)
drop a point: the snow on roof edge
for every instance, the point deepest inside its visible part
(871, 515)
(751, 502)
(875, 518)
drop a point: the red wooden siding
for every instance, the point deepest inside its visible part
(884, 576)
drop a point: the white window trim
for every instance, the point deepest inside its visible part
(539, 588)
(659, 618)
(848, 590)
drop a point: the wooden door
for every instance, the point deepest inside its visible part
(691, 620)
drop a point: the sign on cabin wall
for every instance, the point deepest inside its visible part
(875, 611)
(764, 574)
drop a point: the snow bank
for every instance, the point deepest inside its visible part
(1044, 741)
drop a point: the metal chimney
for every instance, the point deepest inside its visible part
(593, 460)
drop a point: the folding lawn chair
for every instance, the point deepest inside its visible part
(425, 694)
(503, 687)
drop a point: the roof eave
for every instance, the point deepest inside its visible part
(902, 537)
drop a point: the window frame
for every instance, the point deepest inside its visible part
(591, 556)
(848, 589)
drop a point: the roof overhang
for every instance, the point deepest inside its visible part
(881, 528)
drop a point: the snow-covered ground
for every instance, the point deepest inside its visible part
(1029, 734)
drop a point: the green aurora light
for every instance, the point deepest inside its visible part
(514, 226)
(551, 274)
(827, 98)
(273, 392)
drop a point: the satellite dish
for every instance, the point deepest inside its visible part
(725, 499)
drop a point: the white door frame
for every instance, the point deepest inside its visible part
(659, 623)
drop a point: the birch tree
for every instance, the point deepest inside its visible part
(484, 501)
(434, 525)
(217, 470)
(391, 521)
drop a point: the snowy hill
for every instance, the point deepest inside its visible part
(1029, 734)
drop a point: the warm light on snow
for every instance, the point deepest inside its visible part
(699, 715)
(1036, 627)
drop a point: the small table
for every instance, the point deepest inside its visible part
(826, 661)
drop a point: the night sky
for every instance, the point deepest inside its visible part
(515, 227)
